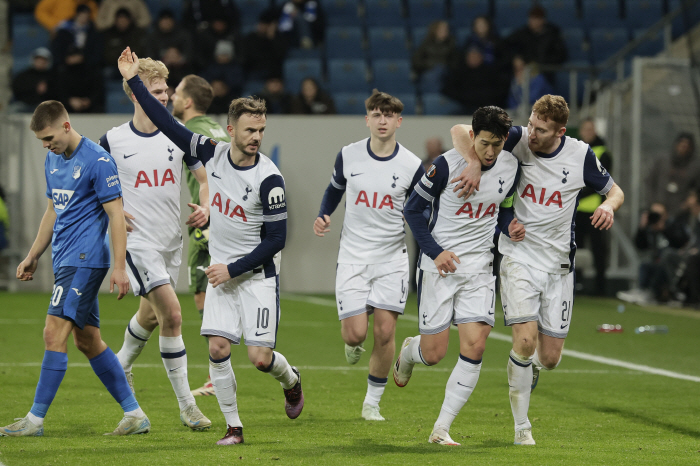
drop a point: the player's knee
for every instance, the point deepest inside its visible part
(525, 345)
(51, 339)
(260, 359)
(550, 361)
(353, 337)
(384, 333)
(173, 320)
(433, 355)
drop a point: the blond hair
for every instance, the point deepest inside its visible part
(149, 71)
(552, 107)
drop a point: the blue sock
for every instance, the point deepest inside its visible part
(107, 367)
(53, 368)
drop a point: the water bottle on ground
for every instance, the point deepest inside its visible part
(651, 329)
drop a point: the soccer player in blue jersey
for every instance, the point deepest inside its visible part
(84, 196)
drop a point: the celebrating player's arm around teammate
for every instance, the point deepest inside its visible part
(537, 279)
(150, 169)
(455, 278)
(191, 100)
(84, 196)
(248, 231)
(378, 175)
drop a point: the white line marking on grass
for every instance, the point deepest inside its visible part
(565, 352)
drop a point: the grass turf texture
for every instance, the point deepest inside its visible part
(583, 413)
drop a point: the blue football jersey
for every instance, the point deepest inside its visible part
(78, 187)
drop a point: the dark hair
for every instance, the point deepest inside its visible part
(492, 119)
(199, 90)
(243, 105)
(686, 135)
(384, 102)
(46, 114)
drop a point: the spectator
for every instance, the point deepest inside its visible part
(222, 97)
(433, 150)
(200, 14)
(538, 87)
(671, 178)
(658, 241)
(224, 68)
(35, 84)
(277, 100)
(475, 84)
(485, 38)
(218, 31)
(302, 23)
(124, 32)
(438, 48)
(51, 13)
(108, 13)
(312, 100)
(77, 40)
(597, 241)
(178, 67)
(166, 35)
(263, 50)
(691, 278)
(539, 41)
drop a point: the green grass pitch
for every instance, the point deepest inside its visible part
(585, 412)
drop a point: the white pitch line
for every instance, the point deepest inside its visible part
(565, 352)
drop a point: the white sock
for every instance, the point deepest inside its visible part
(280, 369)
(172, 351)
(412, 353)
(536, 362)
(519, 381)
(375, 390)
(138, 412)
(224, 382)
(459, 387)
(135, 338)
(36, 420)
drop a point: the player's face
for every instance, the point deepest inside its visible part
(543, 135)
(55, 137)
(179, 99)
(247, 133)
(158, 89)
(487, 146)
(383, 125)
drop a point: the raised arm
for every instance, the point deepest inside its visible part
(26, 268)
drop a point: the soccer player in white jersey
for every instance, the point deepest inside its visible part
(455, 278)
(537, 274)
(378, 175)
(247, 232)
(150, 169)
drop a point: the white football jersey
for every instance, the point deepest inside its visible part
(242, 201)
(547, 197)
(465, 228)
(376, 189)
(150, 171)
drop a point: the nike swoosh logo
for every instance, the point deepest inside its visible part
(401, 301)
(355, 174)
(490, 313)
(105, 159)
(172, 370)
(260, 334)
(527, 164)
(465, 386)
(131, 155)
(53, 171)
(564, 326)
(215, 175)
(77, 291)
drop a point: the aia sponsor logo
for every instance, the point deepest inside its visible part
(154, 181)
(386, 201)
(468, 210)
(228, 209)
(543, 198)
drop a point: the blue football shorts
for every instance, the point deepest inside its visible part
(74, 295)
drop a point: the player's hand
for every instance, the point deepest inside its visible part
(121, 279)
(217, 274)
(444, 262)
(199, 216)
(127, 217)
(469, 180)
(26, 269)
(603, 217)
(516, 231)
(322, 225)
(128, 64)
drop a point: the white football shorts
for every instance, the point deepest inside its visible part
(148, 268)
(362, 288)
(247, 307)
(457, 298)
(529, 294)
